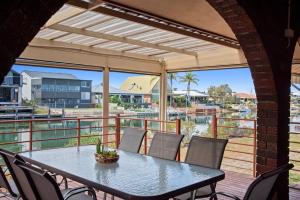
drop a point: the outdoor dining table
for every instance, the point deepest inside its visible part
(134, 176)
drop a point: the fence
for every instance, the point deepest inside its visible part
(294, 154)
(35, 134)
(240, 153)
(38, 134)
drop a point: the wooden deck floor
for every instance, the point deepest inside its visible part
(234, 183)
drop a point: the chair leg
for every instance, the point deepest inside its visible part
(193, 194)
(112, 197)
(92, 193)
(66, 183)
(104, 196)
(213, 189)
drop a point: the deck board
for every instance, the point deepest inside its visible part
(234, 183)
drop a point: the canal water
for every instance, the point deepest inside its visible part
(191, 124)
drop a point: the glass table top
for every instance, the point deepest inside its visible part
(134, 176)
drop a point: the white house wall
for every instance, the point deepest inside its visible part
(26, 87)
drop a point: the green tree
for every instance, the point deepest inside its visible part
(189, 78)
(115, 99)
(172, 77)
(221, 94)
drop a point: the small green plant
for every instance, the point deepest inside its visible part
(99, 146)
(101, 152)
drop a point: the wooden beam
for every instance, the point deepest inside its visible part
(75, 11)
(37, 42)
(58, 54)
(120, 39)
(59, 17)
(165, 24)
(132, 14)
(79, 3)
(163, 95)
(105, 100)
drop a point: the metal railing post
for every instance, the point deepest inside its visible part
(118, 130)
(178, 132)
(78, 131)
(254, 149)
(30, 135)
(214, 128)
(145, 138)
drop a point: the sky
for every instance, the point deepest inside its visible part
(239, 80)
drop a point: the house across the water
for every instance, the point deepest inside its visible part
(59, 90)
(147, 86)
(10, 89)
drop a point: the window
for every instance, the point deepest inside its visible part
(85, 84)
(73, 88)
(85, 95)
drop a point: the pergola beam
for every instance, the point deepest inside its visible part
(119, 39)
(55, 19)
(77, 10)
(123, 12)
(67, 46)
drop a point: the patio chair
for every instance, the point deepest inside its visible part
(165, 145)
(132, 139)
(261, 187)
(17, 175)
(8, 184)
(44, 187)
(9, 157)
(207, 152)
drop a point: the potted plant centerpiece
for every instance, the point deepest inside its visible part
(105, 156)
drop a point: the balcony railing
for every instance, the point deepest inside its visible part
(240, 153)
(295, 153)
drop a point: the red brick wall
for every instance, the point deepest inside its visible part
(265, 47)
(20, 20)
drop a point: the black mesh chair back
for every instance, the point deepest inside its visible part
(17, 174)
(165, 145)
(132, 139)
(4, 183)
(261, 187)
(43, 184)
(207, 152)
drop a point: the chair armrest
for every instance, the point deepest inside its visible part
(79, 190)
(54, 176)
(223, 194)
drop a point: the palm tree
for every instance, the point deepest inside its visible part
(189, 78)
(172, 77)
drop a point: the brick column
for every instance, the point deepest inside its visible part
(20, 20)
(259, 27)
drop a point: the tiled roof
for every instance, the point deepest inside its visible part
(245, 96)
(112, 90)
(140, 84)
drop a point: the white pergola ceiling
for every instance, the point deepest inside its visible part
(76, 29)
(97, 30)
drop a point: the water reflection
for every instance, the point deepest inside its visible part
(191, 124)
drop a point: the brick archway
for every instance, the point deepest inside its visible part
(269, 58)
(20, 21)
